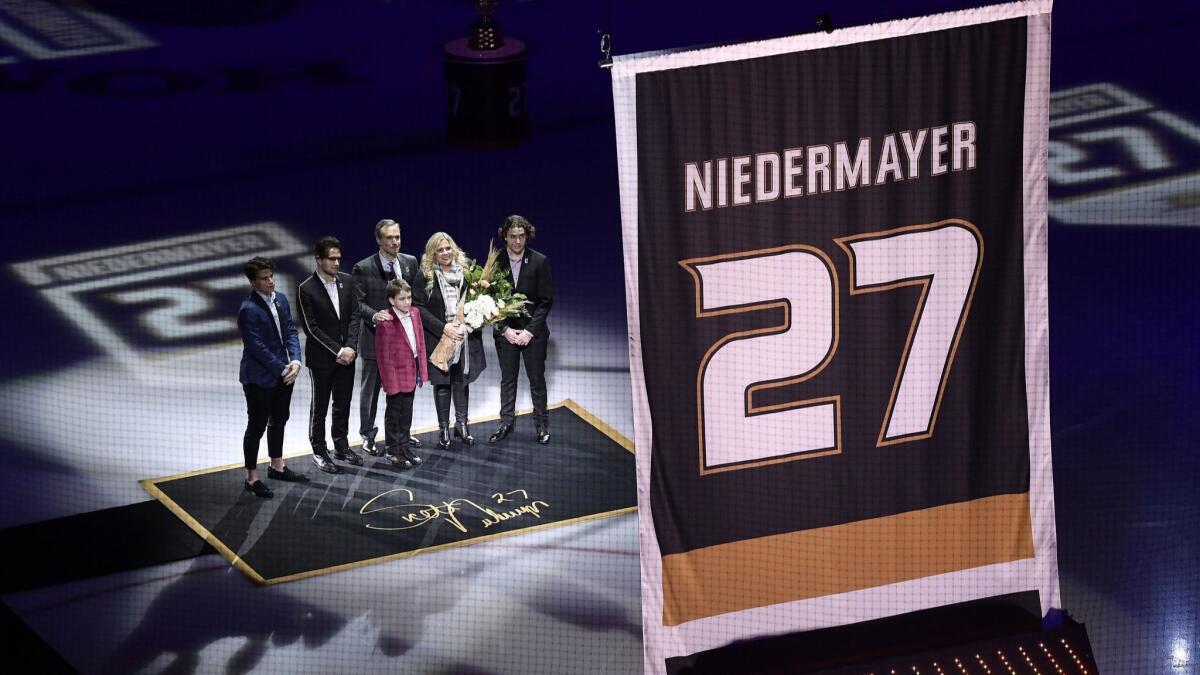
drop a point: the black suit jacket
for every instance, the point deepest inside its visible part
(327, 332)
(537, 285)
(372, 283)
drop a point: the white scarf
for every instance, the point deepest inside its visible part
(448, 283)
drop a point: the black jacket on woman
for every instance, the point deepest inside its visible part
(433, 319)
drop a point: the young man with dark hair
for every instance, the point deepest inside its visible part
(269, 367)
(524, 338)
(329, 314)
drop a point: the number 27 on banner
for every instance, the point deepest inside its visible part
(942, 258)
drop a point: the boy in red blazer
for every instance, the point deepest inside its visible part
(400, 352)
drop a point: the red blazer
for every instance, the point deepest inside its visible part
(394, 354)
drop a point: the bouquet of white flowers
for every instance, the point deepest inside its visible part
(480, 310)
(490, 299)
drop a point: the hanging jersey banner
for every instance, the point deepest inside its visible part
(836, 276)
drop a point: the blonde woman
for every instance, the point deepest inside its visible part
(438, 287)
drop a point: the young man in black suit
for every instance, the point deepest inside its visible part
(329, 315)
(524, 338)
(371, 277)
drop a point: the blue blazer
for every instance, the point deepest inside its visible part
(265, 355)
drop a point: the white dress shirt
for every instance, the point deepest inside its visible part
(406, 321)
(270, 300)
(393, 265)
(515, 265)
(331, 287)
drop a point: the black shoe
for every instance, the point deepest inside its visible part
(543, 434)
(324, 463)
(348, 456)
(412, 457)
(371, 447)
(287, 474)
(396, 458)
(502, 432)
(461, 431)
(444, 438)
(414, 442)
(258, 489)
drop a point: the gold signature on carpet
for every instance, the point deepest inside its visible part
(415, 515)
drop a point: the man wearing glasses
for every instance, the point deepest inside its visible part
(329, 316)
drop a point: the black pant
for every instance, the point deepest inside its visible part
(397, 420)
(338, 381)
(442, 393)
(266, 410)
(368, 397)
(534, 356)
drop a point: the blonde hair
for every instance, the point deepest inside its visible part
(427, 260)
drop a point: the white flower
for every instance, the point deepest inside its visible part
(479, 310)
(474, 319)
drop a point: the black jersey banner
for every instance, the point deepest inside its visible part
(836, 268)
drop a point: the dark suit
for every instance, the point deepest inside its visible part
(328, 332)
(433, 318)
(265, 357)
(538, 286)
(371, 280)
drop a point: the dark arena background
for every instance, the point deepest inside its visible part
(152, 147)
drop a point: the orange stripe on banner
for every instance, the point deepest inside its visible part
(842, 558)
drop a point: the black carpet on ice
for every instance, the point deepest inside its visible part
(377, 512)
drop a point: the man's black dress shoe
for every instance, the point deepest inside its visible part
(502, 432)
(258, 489)
(348, 456)
(287, 474)
(543, 434)
(325, 464)
(414, 442)
(371, 447)
(412, 457)
(461, 431)
(396, 458)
